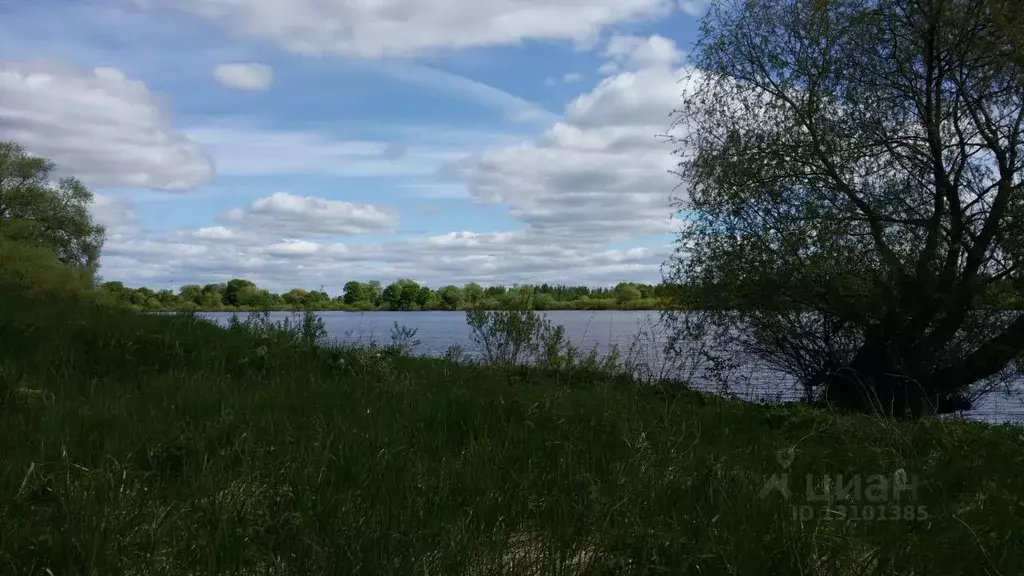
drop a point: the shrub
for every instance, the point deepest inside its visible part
(37, 272)
(305, 329)
(517, 335)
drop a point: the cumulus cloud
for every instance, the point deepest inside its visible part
(637, 53)
(597, 176)
(602, 174)
(115, 213)
(694, 7)
(244, 75)
(414, 27)
(309, 216)
(99, 125)
(453, 258)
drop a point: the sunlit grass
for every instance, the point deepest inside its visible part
(134, 444)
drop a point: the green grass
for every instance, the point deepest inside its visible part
(146, 445)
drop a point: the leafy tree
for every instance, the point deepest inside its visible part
(252, 296)
(433, 301)
(355, 292)
(423, 296)
(626, 293)
(36, 270)
(318, 298)
(211, 299)
(191, 293)
(401, 294)
(373, 292)
(35, 211)
(233, 290)
(544, 301)
(295, 297)
(218, 288)
(409, 294)
(118, 290)
(495, 291)
(853, 173)
(166, 298)
(451, 297)
(473, 293)
(392, 296)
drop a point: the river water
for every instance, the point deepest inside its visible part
(437, 331)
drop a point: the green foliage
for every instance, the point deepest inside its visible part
(305, 329)
(403, 339)
(355, 293)
(474, 294)
(162, 444)
(36, 212)
(36, 269)
(404, 294)
(853, 186)
(625, 293)
(518, 335)
(234, 288)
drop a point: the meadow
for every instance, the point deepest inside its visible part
(155, 444)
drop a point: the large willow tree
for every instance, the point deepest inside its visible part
(36, 210)
(853, 177)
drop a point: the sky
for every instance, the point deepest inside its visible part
(306, 143)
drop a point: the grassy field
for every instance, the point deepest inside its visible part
(148, 445)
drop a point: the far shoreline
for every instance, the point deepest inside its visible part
(302, 310)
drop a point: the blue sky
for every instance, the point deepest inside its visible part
(311, 142)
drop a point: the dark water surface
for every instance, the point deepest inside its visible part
(437, 331)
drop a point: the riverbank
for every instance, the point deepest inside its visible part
(592, 306)
(154, 444)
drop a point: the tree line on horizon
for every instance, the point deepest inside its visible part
(402, 295)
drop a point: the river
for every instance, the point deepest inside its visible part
(437, 331)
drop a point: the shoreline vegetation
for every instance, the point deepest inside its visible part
(140, 443)
(241, 295)
(404, 295)
(164, 444)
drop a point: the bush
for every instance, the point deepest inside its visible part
(305, 329)
(518, 336)
(37, 272)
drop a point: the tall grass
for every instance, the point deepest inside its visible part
(145, 445)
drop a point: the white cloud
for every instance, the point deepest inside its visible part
(454, 258)
(413, 27)
(244, 75)
(437, 191)
(292, 247)
(636, 53)
(98, 125)
(309, 216)
(597, 176)
(694, 7)
(602, 174)
(116, 213)
(642, 98)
